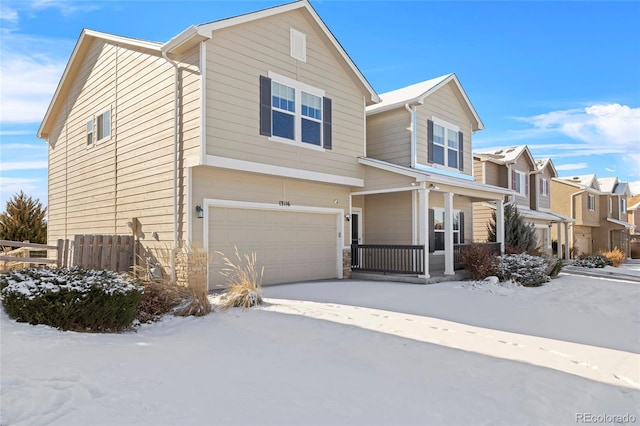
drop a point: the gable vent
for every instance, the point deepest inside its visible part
(298, 45)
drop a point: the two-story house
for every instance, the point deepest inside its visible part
(258, 132)
(241, 132)
(419, 188)
(530, 180)
(614, 229)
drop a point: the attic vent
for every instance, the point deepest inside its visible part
(499, 152)
(511, 150)
(576, 178)
(298, 45)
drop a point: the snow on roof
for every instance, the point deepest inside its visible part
(407, 94)
(584, 180)
(502, 155)
(607, 184)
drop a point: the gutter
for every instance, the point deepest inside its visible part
(175, 161)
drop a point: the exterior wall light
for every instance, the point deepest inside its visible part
(199, 212)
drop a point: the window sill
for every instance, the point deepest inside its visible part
(296, 143)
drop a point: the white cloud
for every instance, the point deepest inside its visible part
(66, 7)
(23, 165)
(610, 170)
(634, 187)
(8, 15)
(602, 129)
(30, 68)
(576, 166)
(23, 146)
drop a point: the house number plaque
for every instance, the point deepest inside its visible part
(285, 203)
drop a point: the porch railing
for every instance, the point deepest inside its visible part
(457, 248)
(394, 259)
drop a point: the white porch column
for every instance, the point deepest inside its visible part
(448, 233)
(560, 240)
(567, 248)
(500, 224)
(423, 226)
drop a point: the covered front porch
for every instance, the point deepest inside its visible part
(409, 222)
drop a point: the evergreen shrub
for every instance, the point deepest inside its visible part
(593, 261)
(527, 270)
(71, 299)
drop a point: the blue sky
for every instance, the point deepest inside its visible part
(561, 77)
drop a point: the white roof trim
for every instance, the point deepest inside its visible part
(207, 29)
(81, 40)
(421, 176)
(621, 222)
(419, 97)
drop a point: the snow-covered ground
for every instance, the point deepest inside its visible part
(347, 352)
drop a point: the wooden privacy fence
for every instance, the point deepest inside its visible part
(110, 252)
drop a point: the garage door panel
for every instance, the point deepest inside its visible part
(292, 246)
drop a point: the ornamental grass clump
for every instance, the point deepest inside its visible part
(71, 299)
(245, 281)
(616, 256)
(527, 270)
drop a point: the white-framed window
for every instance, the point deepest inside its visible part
(439, 225)
(623, 205)
(544, 187)
(445, 144)
(519, 183)
(591, 203)
(296, 111)
(99, 127)
(610, 205)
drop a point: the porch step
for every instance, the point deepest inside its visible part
(412, 279)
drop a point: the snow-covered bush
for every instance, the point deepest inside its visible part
(527, 270)
(478, 260)
(593, 261)
(71, 299)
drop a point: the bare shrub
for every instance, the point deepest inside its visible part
(160, 298)
(245, 281)
(478, 260)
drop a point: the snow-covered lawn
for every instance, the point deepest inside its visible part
(346, 352)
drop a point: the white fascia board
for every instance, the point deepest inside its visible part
(620, 222)
(269, 169)
(394, 168)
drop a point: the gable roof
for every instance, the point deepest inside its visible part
(607, 184)
(507, 155)
(547, 162)
(81, 47)
(416, 93)
(183, 41)
(582, 181)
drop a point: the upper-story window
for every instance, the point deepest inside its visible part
(623, 205)
(544, 187)
(99, 127)
(591, 202)
(445, 144)
(294, 112)
(519, 182)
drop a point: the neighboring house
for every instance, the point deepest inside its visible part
(614, 228)
(251, 132)
(633, 213)
(530, 180)
(241, 132)
(419, 188)
(599, 209)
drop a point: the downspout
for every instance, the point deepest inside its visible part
(175, 162)
(414, 139)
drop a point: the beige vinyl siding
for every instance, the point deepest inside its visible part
(238, 55)
(389, 137)
(544, 201)
(216, 183)
(481, 219)
(388, 219)
(446, 105)
(98, 190)
(478, 170)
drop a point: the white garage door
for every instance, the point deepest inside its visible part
(292, 246)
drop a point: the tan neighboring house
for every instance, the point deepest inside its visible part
(633, 213)
(259, 132)
(419, 188)
(614, 228)
(599, 209)
(530, 180)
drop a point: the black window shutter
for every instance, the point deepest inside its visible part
(265, 106)
(326, 123)
(430, 141)
(460, 151)
(461, 228)
(432, 233)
